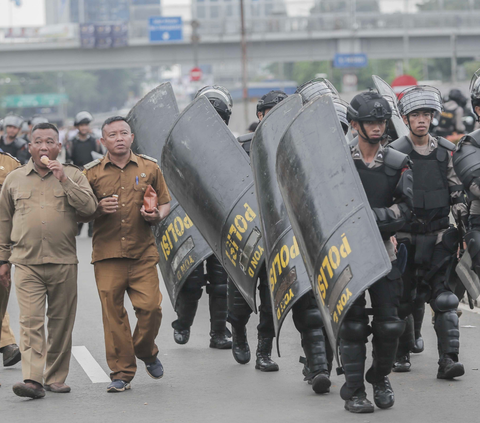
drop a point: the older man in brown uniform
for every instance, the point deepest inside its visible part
(124, 252)
(8, 344)
(38, 224)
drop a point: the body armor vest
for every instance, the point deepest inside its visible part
(431, 197)
(379, 183)
(466, 160)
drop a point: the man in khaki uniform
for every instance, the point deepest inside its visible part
(124, 252)
(38, 224)
(8, 344)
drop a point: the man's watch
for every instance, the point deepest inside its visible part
(2, 262)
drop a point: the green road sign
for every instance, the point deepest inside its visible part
(33, 100)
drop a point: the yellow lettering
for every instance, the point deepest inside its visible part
(326, 263)
(284, 256)
(334, 261)
(234, 231)
(179, 229)
(339, 308)
(251, 273)
(241, 223)
(343, 299)
(170, 228)
(294, 249)
(345, 249)
(249, 214)
(188, 223)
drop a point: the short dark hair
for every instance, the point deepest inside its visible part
(114, 119)
(45, 125)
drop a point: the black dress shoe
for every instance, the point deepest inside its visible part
(448, 369)
(402, 364)
(11, 355)
(220, 340)
(181, 336)
(240, 348)
(383, 394)
(359, 403)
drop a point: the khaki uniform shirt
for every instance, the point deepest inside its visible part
(38, 221)
(377, 162)
(125, 233)
(7, 164)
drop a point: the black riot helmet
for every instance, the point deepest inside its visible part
(475, 91)
(82, 118)
(219, 98)
(457, 96)
(369, 106)
(270, 100)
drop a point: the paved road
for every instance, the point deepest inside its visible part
(205, 385)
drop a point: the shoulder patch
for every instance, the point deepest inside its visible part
(446, 144)
(71, 165)
(92, 164)
(9, 155)
(148, 158)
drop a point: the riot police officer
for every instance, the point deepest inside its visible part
(216, 277)
(385, 179)
(35, 120)
(79, 149)
(450, 120)
(10, 142)
(466, 162)
(431, 242)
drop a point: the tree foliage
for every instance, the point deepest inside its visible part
(428, 5)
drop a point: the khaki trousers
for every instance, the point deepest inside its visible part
(46, 359)
(139, 279)
(7, 337)
(4, 294)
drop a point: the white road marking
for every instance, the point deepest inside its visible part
(89, 365)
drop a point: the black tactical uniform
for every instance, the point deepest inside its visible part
(386, 182)
(431, 242)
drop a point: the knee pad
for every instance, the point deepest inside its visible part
(354, 331)
(306, 315)
(388, 330)
(217, 290)
(446, 301)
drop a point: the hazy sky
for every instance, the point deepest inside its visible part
(32, 13)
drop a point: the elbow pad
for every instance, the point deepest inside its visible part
(404, 188)
(387, 222)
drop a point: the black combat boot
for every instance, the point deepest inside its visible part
(446, 327)
(359, 403)
(240, 348)
(218, 323)
(406, 343)
(186, 311)
(316, 370)
(385, 343)
(264, 350)
(418, 313)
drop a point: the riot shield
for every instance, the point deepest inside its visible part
(287, 274)
(331, 218)
(209, 173)
(386, 90)
(468, 277)
(181, 247)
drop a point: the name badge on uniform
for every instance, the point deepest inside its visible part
(143, 175)
(2, 168)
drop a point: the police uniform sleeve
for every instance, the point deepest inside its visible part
(457, 195)
(79, 193)
(161, 188)
(7, 209)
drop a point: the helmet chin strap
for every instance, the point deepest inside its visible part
(370, 140)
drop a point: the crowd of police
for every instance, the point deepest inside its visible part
(414, 179)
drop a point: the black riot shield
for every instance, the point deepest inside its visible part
(181, 247)
(333, 223)
(386, 90)
(287, 274)
(209, 173)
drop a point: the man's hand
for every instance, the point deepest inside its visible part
(5, 275)
(107, 205)
(57, 169)
(153, 218)
(395, 243)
